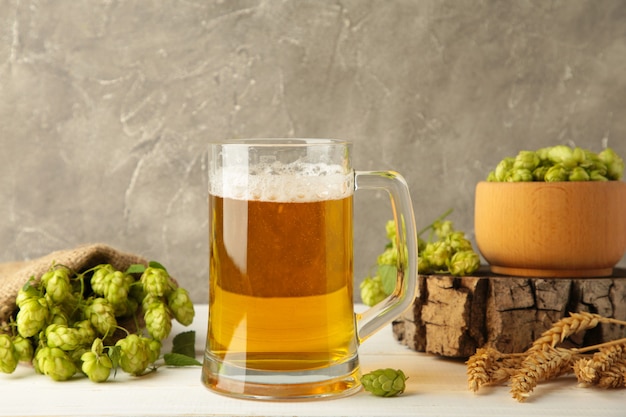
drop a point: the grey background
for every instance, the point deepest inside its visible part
(106, 106)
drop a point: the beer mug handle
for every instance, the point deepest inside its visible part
(379, 315)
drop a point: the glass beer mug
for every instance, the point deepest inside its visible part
(281, 315)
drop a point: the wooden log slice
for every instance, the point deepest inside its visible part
(453, 316)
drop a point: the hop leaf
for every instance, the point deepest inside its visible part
(385, 382)
(183, 350)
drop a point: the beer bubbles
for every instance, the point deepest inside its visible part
(276, 181)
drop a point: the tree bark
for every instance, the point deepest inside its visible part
(453, 316)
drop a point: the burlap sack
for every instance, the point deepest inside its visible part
(13, 275)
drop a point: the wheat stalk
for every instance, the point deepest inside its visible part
(567, 326)
(488, 366)
(589, 371)
(614, 376)
(538, 366)
(605, 368)
(477, 366)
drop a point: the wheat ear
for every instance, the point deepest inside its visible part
(539, 366)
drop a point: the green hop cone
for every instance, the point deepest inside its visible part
(96, 367)
(539, 174)
(158, 320)
(502, 169)
(390, 230)
(385, 382)
(597, 176)
(85, 332)
(54, 363)
(32, 316)
(57, 284)
(372, 291)
(181, 306)
(156, 282)
(556, 173)
(8, 355)
(442, 228)
(437, 253)
(527, 160)
(614, 164)
(593, 164)
(388, 257)
(565, 156)
(579, 174)
(135, 354)
(136, 291)
(421, 244)
(101, 314)
(95, 363)
(127, 308)
(560, 163)
(100, 278)
(62, 337)
(458, 242)
(24, 348)
(154, 349)
(149, 300)
(75, 356)
(58, 315)
(116, 291)
(464, 263)
(27, 292)
(519, 175)
(423, 266)
(542, 153)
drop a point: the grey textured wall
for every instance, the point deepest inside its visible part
(106, 106)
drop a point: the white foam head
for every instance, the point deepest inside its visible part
(278, 182)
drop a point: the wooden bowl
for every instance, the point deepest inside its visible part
(551, 229)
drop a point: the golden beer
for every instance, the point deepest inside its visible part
(281, 317)
(281, 283)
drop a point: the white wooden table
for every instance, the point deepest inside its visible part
(436, 387)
